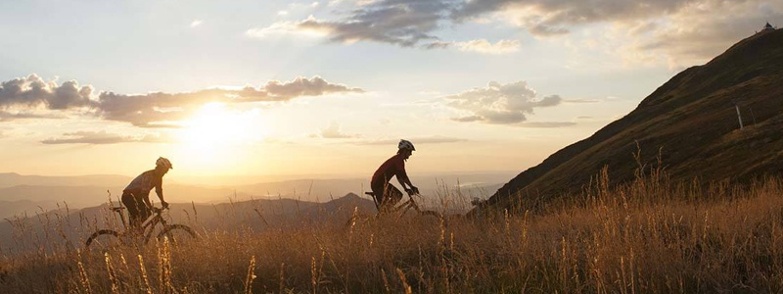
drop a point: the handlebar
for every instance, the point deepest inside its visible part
(158, 209)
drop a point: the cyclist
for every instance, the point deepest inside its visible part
(136, 196)
(387, 195)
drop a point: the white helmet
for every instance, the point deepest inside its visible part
(163, 162)
(405, 144)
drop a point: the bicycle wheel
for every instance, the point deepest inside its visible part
(177, 234)
(104, 239)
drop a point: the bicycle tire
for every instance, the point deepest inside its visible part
(103, 239)
(177, 234)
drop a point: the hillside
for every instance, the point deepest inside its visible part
(691, 120)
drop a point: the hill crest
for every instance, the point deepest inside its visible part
(691, 120)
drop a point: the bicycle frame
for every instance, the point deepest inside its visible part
(407, 205)
(147, 227)
(400, 209)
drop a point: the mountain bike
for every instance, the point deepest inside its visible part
(405, 210)
(176, 233)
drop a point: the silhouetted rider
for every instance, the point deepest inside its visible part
(386, 194)
(136, 196)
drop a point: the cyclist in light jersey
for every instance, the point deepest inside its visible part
(136, 196)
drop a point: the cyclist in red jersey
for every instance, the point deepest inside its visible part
(386, 194)
(136, 196)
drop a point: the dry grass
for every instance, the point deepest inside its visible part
(650, 236)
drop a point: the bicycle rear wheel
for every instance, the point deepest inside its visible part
(104, 240)
(177, 234)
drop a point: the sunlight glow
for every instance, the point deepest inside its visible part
(215, 133)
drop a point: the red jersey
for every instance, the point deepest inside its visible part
(394, 166)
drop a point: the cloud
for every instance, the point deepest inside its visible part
(147, 110)
(33, 91)
(409, 23)
(484, 46)
(437, 45)
(547, 125)
(305, 87)
(677, 31)
(9, 116)
(283, 28)
(404, 23)
(695, 34)
(99, 138)
(196, 23)
(581, 101)
(547, 17)
(399, 22)
(333, 132)
(498, 103)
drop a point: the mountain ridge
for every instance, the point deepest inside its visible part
(690, 122)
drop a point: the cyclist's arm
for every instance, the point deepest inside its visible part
(159, 191)
(402, 177)
(146, 199)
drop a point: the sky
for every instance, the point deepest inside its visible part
(328, 88)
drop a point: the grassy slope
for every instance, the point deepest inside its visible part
(647, 237)
(72, 226)
(690, 120)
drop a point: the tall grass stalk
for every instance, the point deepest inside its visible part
(251, 275)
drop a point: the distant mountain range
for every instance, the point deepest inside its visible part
(14, 179)
(20, 194)
(691, 121)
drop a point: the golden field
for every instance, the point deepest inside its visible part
(649, 236)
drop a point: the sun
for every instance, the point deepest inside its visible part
(215, 132)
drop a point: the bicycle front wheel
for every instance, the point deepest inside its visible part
(104, 240)
(177, 234)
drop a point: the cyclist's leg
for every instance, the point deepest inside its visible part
(137, 211)
(377, 195)
(132, 206)
(144, 211)
(391, 196)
